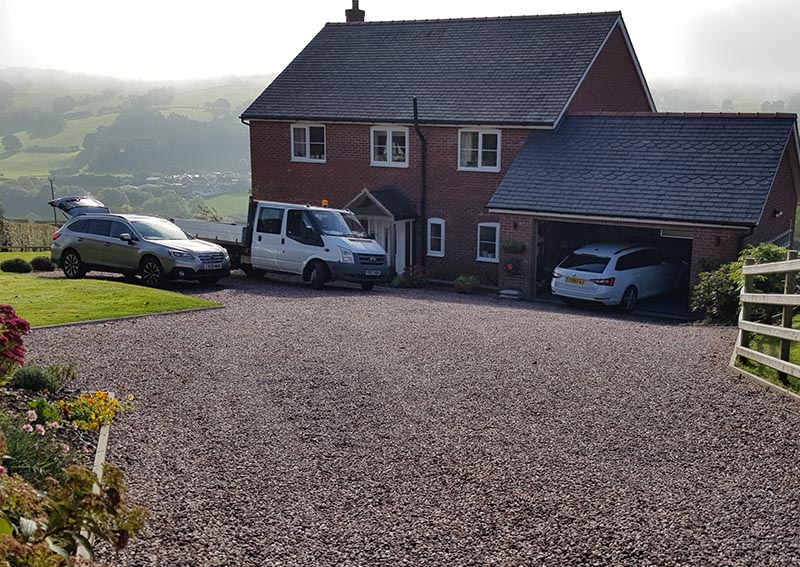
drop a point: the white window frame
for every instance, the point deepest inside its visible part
(306, 126)
(496, 259)
(389, 132)
(481, 133)
(435, 253)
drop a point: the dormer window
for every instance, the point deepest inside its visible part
(308, 142)
(389, 146)
(479, 150)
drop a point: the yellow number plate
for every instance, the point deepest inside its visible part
(576, 281)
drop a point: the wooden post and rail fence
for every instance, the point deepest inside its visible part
(785, 333)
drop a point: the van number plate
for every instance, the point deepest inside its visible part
(373, 272)
(212, 266)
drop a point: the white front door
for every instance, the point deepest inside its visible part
(392, 236)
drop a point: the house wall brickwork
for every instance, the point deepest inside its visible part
(612, 83)
(782, 198)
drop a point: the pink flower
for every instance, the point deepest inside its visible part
(27, 427)
(65, 447)
(53, 425)
(3, 470)
(32, 415)
(85, 449)
(39, 429)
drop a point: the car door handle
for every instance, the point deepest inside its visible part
(107, 244)
(80, 239)
(259, 238)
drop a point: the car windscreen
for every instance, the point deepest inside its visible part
(158, 229)
(333, 223)
(585, 263)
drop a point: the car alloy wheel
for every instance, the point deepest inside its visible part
(152, 273)
(72, 265)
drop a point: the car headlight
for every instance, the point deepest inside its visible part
(347, 256)
(181, 254)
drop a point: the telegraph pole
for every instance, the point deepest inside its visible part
(53, 196)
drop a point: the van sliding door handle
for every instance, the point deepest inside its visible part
(283, 241)
(259, 238)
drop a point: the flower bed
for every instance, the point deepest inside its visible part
(52, 505)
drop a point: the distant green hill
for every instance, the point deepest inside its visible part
(97, 102)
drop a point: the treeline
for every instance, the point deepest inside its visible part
(26, 198)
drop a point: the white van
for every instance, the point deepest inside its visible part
(317, 243)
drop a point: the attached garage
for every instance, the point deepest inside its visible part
(697, 187)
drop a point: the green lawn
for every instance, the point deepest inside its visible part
(50, 300)
(73, 134)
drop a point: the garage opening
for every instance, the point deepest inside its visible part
(557, 239)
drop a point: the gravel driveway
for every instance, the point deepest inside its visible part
(401, 427)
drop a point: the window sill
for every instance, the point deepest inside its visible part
(435, 254)
(308, 160)
(388, 164)
(480, 169)
(488, 260)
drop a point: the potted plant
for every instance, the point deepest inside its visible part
(467, 284)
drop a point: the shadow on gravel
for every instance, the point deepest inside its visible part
(293, 288)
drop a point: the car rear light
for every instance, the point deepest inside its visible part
(56, 235)
(605, 281)
(556, 274)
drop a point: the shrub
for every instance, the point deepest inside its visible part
(717, 292)
(42, 264)
(92, 411)
(32, 453)
(49, 529)
(16, 266)
(467, 284)
(12, 349)
(46, 413)
(34, 378)
(513, 246)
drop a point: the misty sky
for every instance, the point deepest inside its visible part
(732, 41)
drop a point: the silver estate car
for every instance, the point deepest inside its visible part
(151, 247)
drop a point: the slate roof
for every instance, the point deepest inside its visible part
(515, 71)
(691, 168)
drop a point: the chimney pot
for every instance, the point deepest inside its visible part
(354, 14)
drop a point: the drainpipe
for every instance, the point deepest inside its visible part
(423, 205)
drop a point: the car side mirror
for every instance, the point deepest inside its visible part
(126, 237)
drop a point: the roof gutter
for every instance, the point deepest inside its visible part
(423, 205)
(588, 218)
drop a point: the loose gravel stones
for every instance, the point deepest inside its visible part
(418, 427)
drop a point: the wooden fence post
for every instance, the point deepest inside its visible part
(746, 315)
(790, 282)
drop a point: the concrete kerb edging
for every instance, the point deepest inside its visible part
(127, 317)
(97, 469)
(765, 383)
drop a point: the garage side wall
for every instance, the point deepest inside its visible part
(779, 212)
(712, 247)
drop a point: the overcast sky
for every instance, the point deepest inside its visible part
(735, 41)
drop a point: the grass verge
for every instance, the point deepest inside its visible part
(54, 300)
(772, 347)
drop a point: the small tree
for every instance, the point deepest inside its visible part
(11, 143)
(12, 349)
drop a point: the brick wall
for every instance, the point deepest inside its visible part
(612, 83)
(712, 247)
(458, 197)
(781, 198)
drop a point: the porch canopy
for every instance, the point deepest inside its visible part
(387, 201)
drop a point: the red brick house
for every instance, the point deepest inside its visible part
(430, 132)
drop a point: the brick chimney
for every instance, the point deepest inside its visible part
(354, 14)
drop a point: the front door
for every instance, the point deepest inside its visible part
(393, 237)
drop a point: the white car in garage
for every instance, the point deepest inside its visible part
(614, 273)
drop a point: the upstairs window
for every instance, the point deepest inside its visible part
(436, 237)
(479, 150)
(389, 146)
(308, 142)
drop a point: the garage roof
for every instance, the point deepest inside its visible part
(512, 70)
(701, 168)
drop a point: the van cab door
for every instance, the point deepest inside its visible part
(302, 241)
(267, 238)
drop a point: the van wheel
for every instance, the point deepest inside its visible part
(151, 272)
(318, 275)
(72, 265)
(629, 299)
(367, 286)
